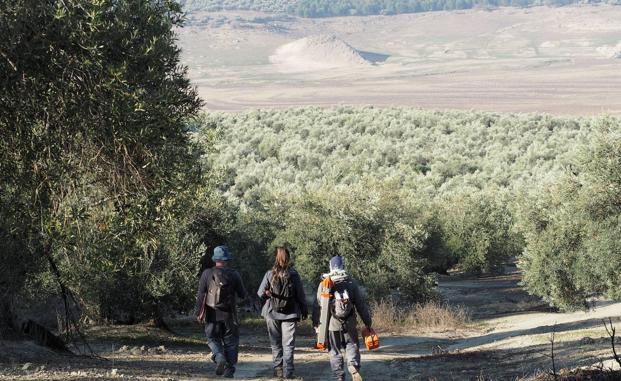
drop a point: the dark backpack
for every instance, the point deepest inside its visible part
(282, 293)
(342, 305)
(220, 291)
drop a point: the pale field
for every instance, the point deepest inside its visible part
(554, 60)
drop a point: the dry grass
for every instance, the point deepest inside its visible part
(428, 317)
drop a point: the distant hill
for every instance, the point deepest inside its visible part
(272, 6)
(330, 8)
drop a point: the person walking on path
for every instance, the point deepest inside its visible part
(216, 308)
(284, 306)
(346, 300)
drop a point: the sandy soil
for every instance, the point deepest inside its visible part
(508, 339)
(556, 60)
(320, 52)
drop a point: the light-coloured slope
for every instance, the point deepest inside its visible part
(318, 52)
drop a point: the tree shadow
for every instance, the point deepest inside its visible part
(544, 329)
(503, 364)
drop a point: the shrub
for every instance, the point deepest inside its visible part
(479, 229)
(377, 232)
(431, 316)
(571, 227)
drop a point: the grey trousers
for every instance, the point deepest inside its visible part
(343, 343)
(223, 338)
(282, 341)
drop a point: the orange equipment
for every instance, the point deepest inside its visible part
(371, 340)
(324, 315)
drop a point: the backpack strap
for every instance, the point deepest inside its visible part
(333, 291)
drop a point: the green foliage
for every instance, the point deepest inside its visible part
(95, 155)
(250, 241)
(370, 183)
(331, 8)
(423, 151)
(253, 5)
(380, 234)
(571, 227)
(479, 228)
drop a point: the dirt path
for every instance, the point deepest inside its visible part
(508, 339)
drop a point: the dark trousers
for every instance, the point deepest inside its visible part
(343, 344)
(223, 338)
(282, 340)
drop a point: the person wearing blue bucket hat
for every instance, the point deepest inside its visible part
(216, 308)
(222, 254)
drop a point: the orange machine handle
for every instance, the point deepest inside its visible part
(371, 340)
(327, 283)
(326, 286)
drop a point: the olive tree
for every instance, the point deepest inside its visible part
(95, 157)
(571, 226)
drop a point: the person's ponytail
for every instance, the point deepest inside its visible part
(282, 261)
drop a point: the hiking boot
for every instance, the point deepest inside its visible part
(220, 364)
(278, 372)
(229, 373)
(355, 375)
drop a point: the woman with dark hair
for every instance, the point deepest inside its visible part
(284, 304)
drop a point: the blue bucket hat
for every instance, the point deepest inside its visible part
(336, 263)
(221, 254)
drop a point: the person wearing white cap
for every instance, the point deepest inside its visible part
(347, 300)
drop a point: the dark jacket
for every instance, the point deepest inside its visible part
(300, 309)
(360, 306)
(212, 314)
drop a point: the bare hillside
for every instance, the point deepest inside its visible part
(558, 60)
